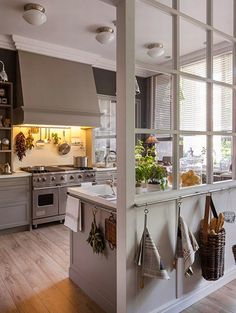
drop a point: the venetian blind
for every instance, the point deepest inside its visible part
(161, 115)
(193, 97)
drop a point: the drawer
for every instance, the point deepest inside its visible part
(14, 194)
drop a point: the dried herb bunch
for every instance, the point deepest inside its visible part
(20, 145)
(96, 237)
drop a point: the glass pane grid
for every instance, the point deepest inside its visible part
(192, 99)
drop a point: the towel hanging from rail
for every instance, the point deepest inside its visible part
(148, 257)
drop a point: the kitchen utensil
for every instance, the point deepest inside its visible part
(46, 136)
(7, 169)
(64, 148)
(49, 135)
(80, 161)
(40, 142)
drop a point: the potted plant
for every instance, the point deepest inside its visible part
(139, 178)
(158, 176)
(147, 170)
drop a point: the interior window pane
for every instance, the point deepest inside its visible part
(153, 155)
(148, 31)
(222, 157)
(192, 48)
(162, 102)
(190, 8)
(166, 2)
(223, 15)
(192, 160)
(222, 59)
(192, 105)
(222, 108)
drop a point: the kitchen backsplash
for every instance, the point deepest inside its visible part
(47, 154)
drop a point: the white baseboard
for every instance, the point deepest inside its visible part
(92, 291)
(182, 303)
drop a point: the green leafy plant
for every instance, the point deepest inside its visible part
(158, 175)
(147, 169)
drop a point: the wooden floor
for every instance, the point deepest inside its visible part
(220, 301)
(34, 277)
(34, 274)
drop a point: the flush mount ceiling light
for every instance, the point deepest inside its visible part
(155, 50)
(34, 14)
(105, 35)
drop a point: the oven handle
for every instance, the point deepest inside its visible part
(44, 188)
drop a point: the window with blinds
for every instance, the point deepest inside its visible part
(193, 98)
(161, 109)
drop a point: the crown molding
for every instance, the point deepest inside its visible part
(71, 54)
(6, 42)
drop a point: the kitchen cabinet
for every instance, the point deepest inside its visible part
(103, 175)
(15, 202)
(6, 107)
(94, 273)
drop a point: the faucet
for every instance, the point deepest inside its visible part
(108, 156)
(111, 183)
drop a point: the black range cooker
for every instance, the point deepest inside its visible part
(49, 189)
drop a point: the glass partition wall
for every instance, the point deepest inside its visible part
(189, 137)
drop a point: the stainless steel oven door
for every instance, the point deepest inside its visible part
(45, 202)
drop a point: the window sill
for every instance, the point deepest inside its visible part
(172, 195)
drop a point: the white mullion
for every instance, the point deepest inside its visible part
(209, 108)
(125, 150)
(234, 96)
(175, 95)
(155, 68)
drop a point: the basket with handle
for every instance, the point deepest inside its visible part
(212, 244)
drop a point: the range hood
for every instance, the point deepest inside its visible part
(52, 91)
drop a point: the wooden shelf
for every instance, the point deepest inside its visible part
(5, 106)
(5, 128)
(2, 151)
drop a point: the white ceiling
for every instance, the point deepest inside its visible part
(72, 23)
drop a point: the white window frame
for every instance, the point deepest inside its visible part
(176, 73)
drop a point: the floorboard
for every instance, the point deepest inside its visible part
(34, 274)
(220, 301)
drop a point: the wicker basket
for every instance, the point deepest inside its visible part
(212, 255)
(110, 231)
(212, 247)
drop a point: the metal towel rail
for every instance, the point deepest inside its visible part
(179, 198)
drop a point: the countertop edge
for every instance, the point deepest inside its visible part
(17, 174)
(92, 199)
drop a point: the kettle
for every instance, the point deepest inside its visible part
(6, 168)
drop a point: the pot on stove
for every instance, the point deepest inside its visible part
(80, 161)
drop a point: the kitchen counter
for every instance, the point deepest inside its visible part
(17, 174)
(93, 194)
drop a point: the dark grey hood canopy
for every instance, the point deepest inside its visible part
(52, 91)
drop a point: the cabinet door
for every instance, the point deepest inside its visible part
(14, 214)
(15, 202)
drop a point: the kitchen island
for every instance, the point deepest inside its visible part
(94, 273)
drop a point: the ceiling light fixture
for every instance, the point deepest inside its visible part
(105, 35)
(155, 50)
(3, 74)
(34, 14)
